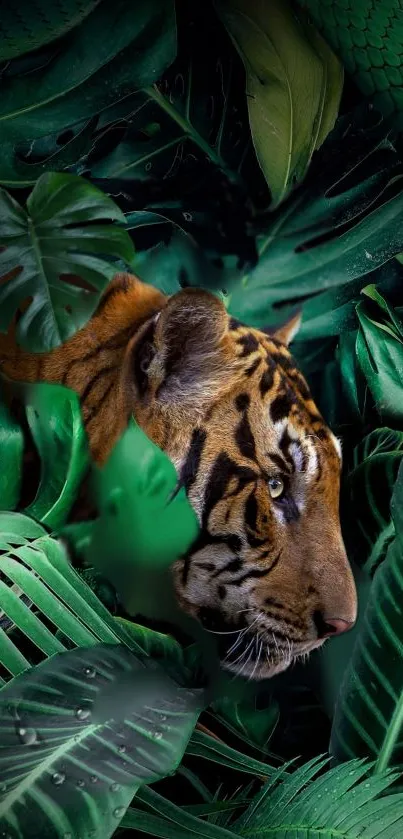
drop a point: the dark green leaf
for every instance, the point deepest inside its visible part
(371, 480)
(120, 48)
(244, 718)
(80, 732)
(293, 83)
(202, 745)
(369, 714)
(47, 241)
(340, 227)
(42, 23)
(11, 452)
(380, 354)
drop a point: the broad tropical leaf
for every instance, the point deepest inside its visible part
(369, 714)
(342, 225)
(370, 485)
(293, 83)
(118, 49)
(58, 234)
(80, 732)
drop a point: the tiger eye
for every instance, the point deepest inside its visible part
(276, 487)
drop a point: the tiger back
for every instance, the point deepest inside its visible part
(269, 572)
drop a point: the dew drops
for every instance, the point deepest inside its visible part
(28, 736)
(119, 812)
(81, 783)
(157, 735)
(163, 718)
(83, 714)
(121, 749)
(90, 672)
(148, 167)
(58, 778)
(94, 779)
(115, 788)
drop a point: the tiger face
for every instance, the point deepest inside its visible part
(269, 573)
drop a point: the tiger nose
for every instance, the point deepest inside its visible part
(331, 626)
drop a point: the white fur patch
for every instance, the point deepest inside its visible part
(337, 444)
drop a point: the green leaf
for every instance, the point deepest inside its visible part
(294, 84)
(341, 803)
(370, 483)
(246, 720)
(369, 715)
(118, 49)
(80, 732)
(35, 570)
(58, 234)
(54, 417)
(340, 226)
(135, 489)
(203, 746)
(380, 353)
(11, 453)
(192, 125)
(42, 23)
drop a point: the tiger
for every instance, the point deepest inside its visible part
(268, 573)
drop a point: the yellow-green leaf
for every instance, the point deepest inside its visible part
(294, 83)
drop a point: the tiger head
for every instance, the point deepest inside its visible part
(269, 572)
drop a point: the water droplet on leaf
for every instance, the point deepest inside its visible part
(58, 778)
(90, 672)
(119, 812)
(122, 749)
(94, 779)
(157, 735)
(83, 714)
(115, 788)
(28, 736)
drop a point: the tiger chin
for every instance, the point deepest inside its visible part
(268, 575)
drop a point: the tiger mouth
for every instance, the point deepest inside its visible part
(256, 656)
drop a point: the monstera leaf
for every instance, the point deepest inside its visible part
(342, 225)
(293, 83)
(57, 234)
(120, 48)
(194, 115)
(369, 719)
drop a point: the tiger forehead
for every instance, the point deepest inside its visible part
(272, 377)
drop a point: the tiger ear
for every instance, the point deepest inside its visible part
(288, 330)
(189, 362)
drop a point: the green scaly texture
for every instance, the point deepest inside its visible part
(367, 35)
